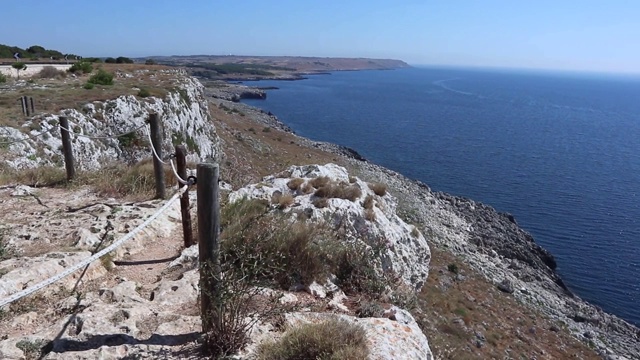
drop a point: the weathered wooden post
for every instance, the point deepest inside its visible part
(32, 109)
(23, 105)
(66, 148)
(208, 244)
(156, 142)
(181, 161)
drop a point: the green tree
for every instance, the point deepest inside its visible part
(18, 65)
(150, 62)
(123, 60)
(110, 60)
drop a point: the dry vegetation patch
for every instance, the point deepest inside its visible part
(331, 339)
(53, 91)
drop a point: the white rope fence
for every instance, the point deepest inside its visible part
(110, 137)
(94, 257)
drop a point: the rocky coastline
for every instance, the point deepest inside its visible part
(493, 244)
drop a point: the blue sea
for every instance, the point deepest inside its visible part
(560, 151)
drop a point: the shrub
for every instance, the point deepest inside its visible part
(102, 78)
(369, 309)
(123, 60)
(354, 269)
(50, 72)
(110, 60)
(3, 79)
(81, 67)
(331, 339)
(31, 349)
(236, 305)
(294, 184)
(88, 86)
(5, 252)
(453, 268)
(19, 66)
(150, 62)
(143, 93)
(271, 249)
(378, 188)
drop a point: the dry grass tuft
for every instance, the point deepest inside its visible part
(284, 201)
(332, 339)
(368, 202)
(339, 191)
(294, 184)
(320, 203)
(379, 189)
(49, 72)
(370, 214)
(319, 182)
(42, 176)
(307, 188)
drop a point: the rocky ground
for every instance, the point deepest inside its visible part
(491, 291)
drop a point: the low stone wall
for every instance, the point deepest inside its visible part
(31, 69)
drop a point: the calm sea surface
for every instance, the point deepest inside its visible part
(560, 152)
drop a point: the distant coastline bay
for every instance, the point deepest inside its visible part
(559, 152)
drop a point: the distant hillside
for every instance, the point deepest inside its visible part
(230, 67)
(35, 52)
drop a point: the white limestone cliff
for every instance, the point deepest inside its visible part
(184, 115)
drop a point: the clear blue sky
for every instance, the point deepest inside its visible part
(581, 35)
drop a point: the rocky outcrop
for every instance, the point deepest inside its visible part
(185, 120)
(233, 92)
(406, 252)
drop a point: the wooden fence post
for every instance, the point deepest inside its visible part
(32, 109)
(208, 244)
(181, 162)
(156, 142)
(23, 105)
(66, 148)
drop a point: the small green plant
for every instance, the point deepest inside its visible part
(81, 67)
(331, 339)
(453, 268)
(266, 129)
(88, 86)
(128, 140)
(143, 93)
(370, 309)
(101, 78)
(4, 251)
(3, 78)
(31, 349)
(19, 66)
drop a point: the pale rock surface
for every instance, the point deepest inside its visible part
(25, 272)
(407, 254)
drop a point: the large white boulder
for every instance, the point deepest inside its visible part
(405, 251)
